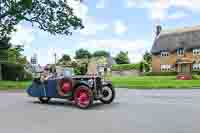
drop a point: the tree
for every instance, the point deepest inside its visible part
(15, 56)
(122, 58)
(65, 58)
(53, 16)
(147, 58)
(100, 53)
(82, 54)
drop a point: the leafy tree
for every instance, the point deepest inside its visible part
(53, 16)
(100, 53)
(15, 56)
(82, 54)
(122, 58)
(65, 58)
(147, 57)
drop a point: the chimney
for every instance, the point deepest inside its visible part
(158, 29)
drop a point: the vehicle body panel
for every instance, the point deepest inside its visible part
(49, 89)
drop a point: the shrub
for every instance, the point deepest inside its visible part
(125, 67)
(28, 76)
(196, 72)
(15, 72)
(160, 74)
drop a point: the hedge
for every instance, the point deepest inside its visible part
(121, 67)
(160, 74)
(14, 72)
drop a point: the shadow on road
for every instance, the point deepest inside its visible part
(95, 106)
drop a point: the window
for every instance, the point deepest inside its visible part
(196, 51)
(165, 68)
(180, 52)
(196, 66)
(164, 53)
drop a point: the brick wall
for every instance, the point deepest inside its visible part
(157, 60)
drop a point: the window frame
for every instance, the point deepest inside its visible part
(164, 53)
(196, 51)
(180, 52)
(165, 67)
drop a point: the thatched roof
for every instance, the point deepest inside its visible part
(187, 38)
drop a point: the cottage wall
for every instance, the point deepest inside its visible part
(157, 60)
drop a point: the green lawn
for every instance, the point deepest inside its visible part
(158, 82)
(139, 82)
(13, 85)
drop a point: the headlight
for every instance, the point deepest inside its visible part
(90, 82)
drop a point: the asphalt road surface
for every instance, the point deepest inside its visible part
(134, 111)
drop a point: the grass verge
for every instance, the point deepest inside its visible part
(14, 85)
(153, 82)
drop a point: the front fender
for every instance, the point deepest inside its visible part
(79, 83)
(107, 82)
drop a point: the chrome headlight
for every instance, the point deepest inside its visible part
(90, 82)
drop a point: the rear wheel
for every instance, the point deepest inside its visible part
(83, 97)
(44, 99)
(108, 93)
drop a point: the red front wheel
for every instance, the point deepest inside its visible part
(83, 97)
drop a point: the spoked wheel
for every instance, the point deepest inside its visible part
(83, 97)
(44, 99)
(108, 93)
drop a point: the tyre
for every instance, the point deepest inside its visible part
(108, 93)
(44, 99)
(83, 97)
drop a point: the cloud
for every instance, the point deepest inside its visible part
(135, 48)
(92, 27)
(135, 3)
(100, 4)
(159, 9)
(79, 9)
(23, 36)
(177, 15)
(120, 27)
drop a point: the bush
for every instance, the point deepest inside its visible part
(125, 67)
(27, 76)
(196, 72)
(160, 74)
(15, 72)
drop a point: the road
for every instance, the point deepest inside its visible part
(134, 111)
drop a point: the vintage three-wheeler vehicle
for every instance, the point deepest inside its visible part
(81, 90)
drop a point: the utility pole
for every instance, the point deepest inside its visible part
(55, 57)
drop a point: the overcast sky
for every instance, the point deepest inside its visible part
(112, 25)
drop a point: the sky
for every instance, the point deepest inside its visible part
(111, 25)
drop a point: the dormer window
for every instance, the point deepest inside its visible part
(196, 51)
(164, 53)
(180, 51)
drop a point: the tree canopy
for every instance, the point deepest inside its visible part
(65, 59)
(100, 53)
(82, 54)
(53, 16)
(122, 58)
(147, 57)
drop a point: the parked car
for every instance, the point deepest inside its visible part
(82, 90)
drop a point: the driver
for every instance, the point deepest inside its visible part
(46, 74)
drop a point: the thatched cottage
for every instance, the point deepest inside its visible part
(176, 50)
